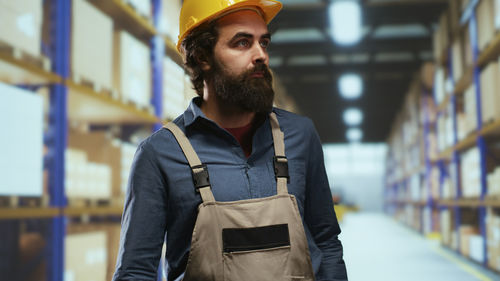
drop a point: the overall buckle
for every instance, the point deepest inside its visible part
(200, 177)
(281, 167)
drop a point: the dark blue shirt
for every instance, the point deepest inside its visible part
(161, 203)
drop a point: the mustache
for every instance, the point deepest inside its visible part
(262, 68)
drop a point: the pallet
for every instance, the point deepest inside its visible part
(42, 62)
(88, 202)
(96, 87)
(24, 202)
(142, 107)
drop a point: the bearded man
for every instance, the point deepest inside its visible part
(235, 187)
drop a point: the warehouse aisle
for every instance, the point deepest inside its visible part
(377, 248)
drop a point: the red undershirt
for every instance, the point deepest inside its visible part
(244, 136)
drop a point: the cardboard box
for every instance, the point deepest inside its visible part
(441, 36)
(476, 247)
(457, 59)
(24, 19)
(485, 15)
(21, 160)
(470, 109)
(173, 89)
(493, 180)
(490, 97)
(91, 44)
(446, 227)
(101, 148)
(132, 69)
(86, 256)
(112, 232)
(465, 232)
(497, 14)
(169, 20)
(493, 239)
(84, 179)
(470, 173)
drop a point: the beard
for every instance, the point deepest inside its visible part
(250, 94)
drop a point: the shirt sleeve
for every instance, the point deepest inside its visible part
(320, 215)
(143, 220)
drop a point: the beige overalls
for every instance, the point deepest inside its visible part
(260, 239)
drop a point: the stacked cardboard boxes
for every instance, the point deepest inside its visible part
(470, 110)
(493, 182)
(476, 248)
(85, 179)
(493, 239)
(466, 232)
(91, 44)
(169, 21)
(21, 160)
(132, 72)
(100, 251)
(446, 227)
(86, 256)
(173, 89)
(441, 37)
(24, 21)
(101, 148)
(470, 173)
(490, 99)
(458, 59)
(485, 14)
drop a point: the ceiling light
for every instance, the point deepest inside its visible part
(350, 86)
(345, 21)
(353, 117)
(354, 135)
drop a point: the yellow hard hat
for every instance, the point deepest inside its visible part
(196, 12)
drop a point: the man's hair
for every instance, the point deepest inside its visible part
(198, 46)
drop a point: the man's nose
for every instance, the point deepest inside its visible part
(260, 55)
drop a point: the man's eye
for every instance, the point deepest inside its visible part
(264, 44)
(243, 43)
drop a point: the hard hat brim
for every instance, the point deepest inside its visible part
(269, 8)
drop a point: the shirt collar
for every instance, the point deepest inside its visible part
(193, 112)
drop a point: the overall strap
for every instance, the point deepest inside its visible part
(280, 161)
(199, 171)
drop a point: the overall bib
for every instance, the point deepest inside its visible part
(260, 239)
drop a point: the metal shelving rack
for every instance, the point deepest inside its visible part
(61, 89)
(477, 139)
(448, 160)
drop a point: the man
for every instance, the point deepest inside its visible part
(235, 187)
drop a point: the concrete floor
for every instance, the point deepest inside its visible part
(377, 248)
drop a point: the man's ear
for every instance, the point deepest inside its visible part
(201, 59)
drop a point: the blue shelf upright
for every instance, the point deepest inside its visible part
(157, 55)
(60, 16)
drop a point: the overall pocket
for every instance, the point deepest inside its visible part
(258, 253)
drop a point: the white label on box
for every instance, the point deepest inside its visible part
(69, 275)
(95, 256)
(26, 24)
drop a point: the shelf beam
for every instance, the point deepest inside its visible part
(28, 213)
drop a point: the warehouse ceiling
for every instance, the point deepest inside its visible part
(397, 39)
